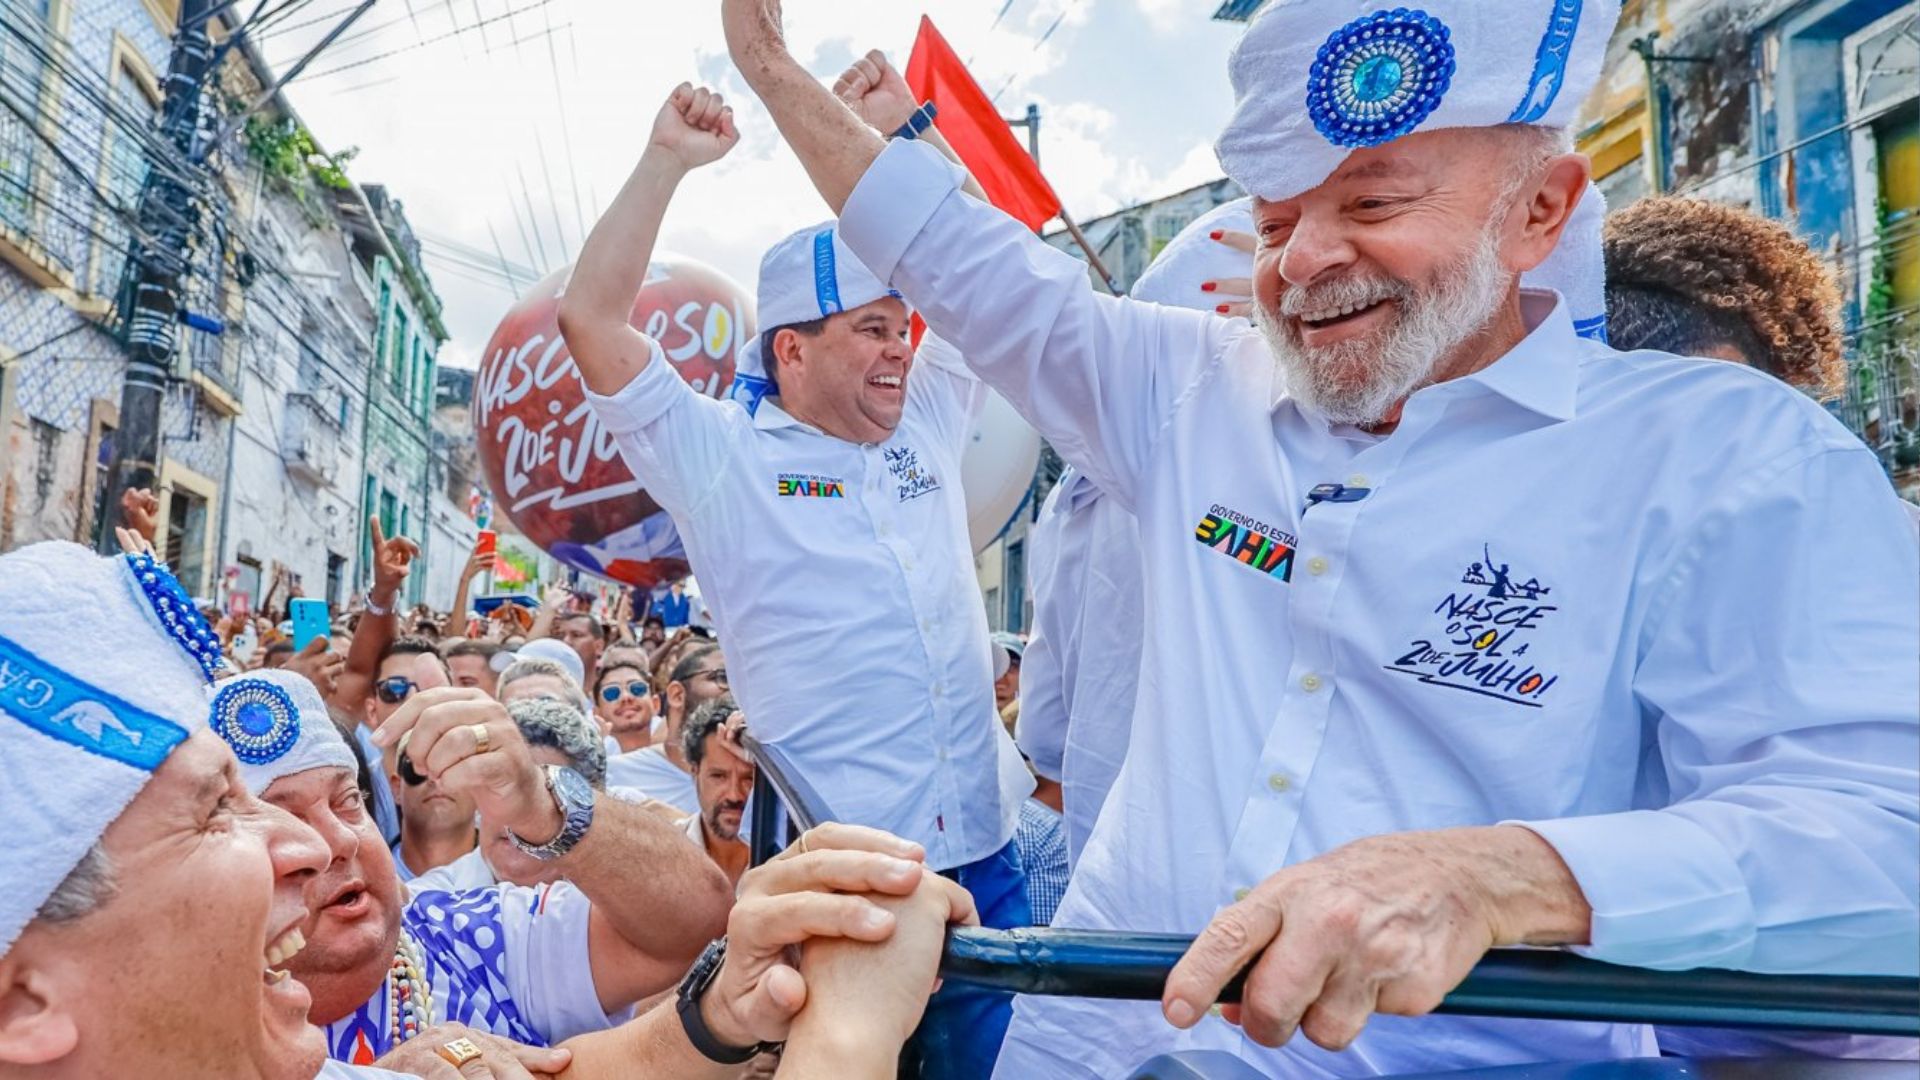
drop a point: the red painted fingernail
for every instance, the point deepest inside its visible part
(1216, 234)
(1209, 286)
(1222, 309)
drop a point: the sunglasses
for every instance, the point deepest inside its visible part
(612, 692)
(395, 690)
(411, 776)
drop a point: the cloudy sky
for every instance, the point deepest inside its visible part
(514, 119)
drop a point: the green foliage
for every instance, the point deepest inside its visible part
(288, 153)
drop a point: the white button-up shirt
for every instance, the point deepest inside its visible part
(1661, 610)
(1082, 666)
(840, 578)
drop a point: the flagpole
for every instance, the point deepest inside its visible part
(1093, 259)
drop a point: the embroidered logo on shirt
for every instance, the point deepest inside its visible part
(1250, 541)
(913, 479)
(808, 486)
(1486, 631)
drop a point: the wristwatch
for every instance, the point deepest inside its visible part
(920, 121)
(574, 796)
(692, 988)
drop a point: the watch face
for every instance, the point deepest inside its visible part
(572, 788)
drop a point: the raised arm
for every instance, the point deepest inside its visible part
(878, 94)
(833, 143)
(1097, 376)
(694, 128)
(478, 564)
(379, 622)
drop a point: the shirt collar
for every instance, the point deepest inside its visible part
(770, 416)
(1541, 373)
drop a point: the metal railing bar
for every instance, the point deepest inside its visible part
(1537, 984)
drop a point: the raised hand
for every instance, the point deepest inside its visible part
(695, 127)
(392, 559)
(465, 739)
(140, 509)
(876, 93)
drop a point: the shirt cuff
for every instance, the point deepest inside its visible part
(646, 397)
(894, 200)
(1664, 892)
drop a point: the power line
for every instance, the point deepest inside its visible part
(437, 38)
(1022, 70)
(533, 220)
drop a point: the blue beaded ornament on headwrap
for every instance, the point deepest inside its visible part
(257, 719)
(177, 614)
(1376, 78)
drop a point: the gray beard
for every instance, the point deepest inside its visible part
(1431, 322)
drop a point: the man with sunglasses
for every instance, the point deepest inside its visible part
(624, 706)
(661, 771)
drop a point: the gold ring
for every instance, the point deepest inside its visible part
(803, 843)
(459, 1051)
(482, 742)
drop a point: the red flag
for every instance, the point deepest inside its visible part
(971, 123)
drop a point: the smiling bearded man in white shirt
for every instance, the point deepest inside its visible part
(1464, 631)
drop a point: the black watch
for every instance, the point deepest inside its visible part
(692, 989)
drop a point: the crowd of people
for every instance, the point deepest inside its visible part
(1535, 601)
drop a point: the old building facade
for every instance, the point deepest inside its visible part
(316, 365)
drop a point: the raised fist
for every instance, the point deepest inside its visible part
(695, 126)
(876, 93)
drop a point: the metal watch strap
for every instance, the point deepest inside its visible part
(693, 988)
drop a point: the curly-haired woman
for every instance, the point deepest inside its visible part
(1702, 279)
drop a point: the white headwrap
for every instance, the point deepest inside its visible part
(1576, 270)
(807, 276)
(1314, 80)
(277, 726)
(103, 665)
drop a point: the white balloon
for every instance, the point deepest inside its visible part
(996, 471)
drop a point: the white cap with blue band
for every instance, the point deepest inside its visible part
(806, 277)
(103, 668)
(277, 726)
(1314, 80)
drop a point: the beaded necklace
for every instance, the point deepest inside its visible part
(409, 995)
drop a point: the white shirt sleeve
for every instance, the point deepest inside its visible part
(673, 438)
(1097, 376)
(1784, 698)
(1041, 730)
(547, 964)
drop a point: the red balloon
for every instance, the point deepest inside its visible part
(553, 470)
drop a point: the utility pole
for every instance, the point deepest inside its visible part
(1031, 122)
(162, 255)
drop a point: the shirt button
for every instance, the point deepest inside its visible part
(1279, 783)
(1357, 480)
(1316, 566)
(1241, 893)
(1310, 683)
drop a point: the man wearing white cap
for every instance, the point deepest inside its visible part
(534, 965)
(1495, 636)
(117, 958)
(827, 529)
